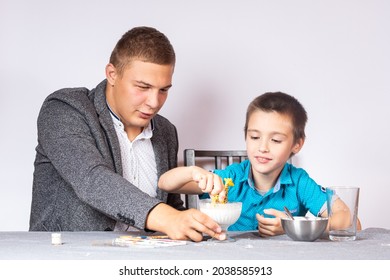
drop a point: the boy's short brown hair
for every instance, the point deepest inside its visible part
(284, 104)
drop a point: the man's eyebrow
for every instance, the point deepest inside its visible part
(149, 85)
(167, 87)
(144, 83)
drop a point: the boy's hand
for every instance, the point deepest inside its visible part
(270, 226)
(210, 183)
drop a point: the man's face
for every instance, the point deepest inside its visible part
(138, 94)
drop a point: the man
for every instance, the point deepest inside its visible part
(100, 152)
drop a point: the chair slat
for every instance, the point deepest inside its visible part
(220, 157)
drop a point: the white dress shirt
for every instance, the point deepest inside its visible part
(138, 161)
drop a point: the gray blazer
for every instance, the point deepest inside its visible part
(78, 183)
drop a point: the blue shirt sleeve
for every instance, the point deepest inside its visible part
(311, 195)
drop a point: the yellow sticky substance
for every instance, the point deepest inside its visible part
(215, 198)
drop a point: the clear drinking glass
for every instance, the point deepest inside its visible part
(342, 229)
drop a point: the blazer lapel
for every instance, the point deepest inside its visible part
(107, 125)
(161, 155)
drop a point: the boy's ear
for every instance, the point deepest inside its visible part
(298, 145)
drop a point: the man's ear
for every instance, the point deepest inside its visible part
(111, 74)
(298, 145)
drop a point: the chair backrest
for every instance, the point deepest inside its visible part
(218, 158)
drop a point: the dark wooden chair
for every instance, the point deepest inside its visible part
(217, 159)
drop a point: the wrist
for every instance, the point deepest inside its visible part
(159, 217)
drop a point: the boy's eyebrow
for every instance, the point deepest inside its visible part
(272, 132)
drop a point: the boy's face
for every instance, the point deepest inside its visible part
(138, 94)
(270, 142)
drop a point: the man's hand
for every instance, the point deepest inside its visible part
(182, 225)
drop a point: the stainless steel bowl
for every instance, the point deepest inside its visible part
(303, 228)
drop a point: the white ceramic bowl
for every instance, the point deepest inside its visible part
(304, 228)
(224, 214)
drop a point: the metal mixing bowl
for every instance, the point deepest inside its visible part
(304, 228)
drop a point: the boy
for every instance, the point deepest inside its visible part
(266, 182)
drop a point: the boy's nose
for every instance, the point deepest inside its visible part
(263, 148)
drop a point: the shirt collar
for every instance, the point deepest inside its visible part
(283, 179)
(285, 176)
(112, 112)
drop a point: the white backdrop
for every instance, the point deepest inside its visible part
(332, 55)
